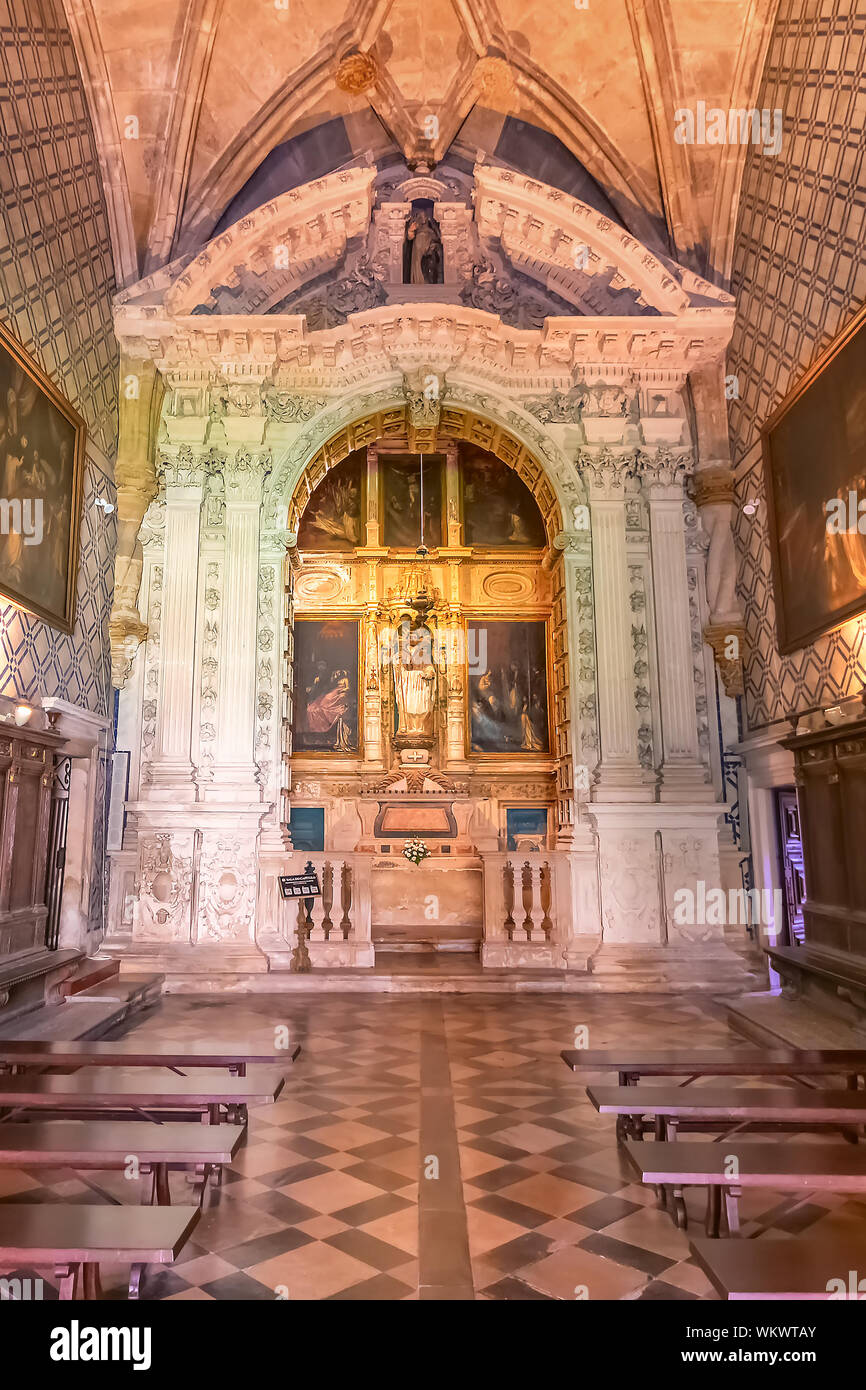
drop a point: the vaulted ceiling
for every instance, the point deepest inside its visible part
(189, 97)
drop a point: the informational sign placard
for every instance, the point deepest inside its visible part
(305, 885)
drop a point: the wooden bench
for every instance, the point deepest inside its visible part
(631, 1064)
(670, 1106)
(101, 1144)
(808, 1267)
(790, 1167)
(127, 1052)
(140, 1091)
(73, 1238)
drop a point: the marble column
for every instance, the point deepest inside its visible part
(684, 776)
(620, 775)
(172, 769)
(234, 770)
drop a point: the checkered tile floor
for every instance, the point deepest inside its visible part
(433, 1148)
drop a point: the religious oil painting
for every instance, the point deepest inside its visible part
(508, 700)
(402, 488)
(498, 508)
(815, 483)
(526, 827)
(41, 477)
(332, 519)
(326, 686)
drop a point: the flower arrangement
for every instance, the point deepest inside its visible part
(415, 850)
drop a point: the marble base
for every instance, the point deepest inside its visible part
(535, 955)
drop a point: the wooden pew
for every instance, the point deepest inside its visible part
(632, 1063)
(102, 1144)
(129, 1052)
(793, 1167)
(807, 1267)
(73, 1238)
(140, 1091)
(670, 1106)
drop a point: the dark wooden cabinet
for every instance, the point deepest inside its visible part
(830, 772)
(26, 784)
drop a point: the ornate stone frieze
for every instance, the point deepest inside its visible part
(151, 672)
(164, 887)
(286, 407)
(266, 658)
(227, 888)
(583, 670)
(697, 643)
(641, 668)
(209, 674)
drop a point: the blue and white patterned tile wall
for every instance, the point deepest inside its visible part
(799, 275)
(56, 283)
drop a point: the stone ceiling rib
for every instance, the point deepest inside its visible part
(89, 51)
(202, 20)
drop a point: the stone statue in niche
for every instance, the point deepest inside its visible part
(422, 257)
(414, 681)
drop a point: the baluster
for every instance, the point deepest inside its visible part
(508, 894)
(546, 891)
(526, 877)
(327, 897)
(346, 899)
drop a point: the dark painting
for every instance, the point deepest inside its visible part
(41, 473)
(332, 518)
(401, 499)
(326, 686)
(526, 825)
(307, 826)
(498, 508)
(508, 699)
(815, 480)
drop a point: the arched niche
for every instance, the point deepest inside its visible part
(455, 424)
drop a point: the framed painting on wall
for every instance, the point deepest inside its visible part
(400, 484)
(508, 701)
(498, 508)
(333, 517)
(814, 452)
(526, 827)
(41, 477)
(326, 666)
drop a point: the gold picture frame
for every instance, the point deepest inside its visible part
(42, 443)
(317, 619)
(519, 753)
(813, 446)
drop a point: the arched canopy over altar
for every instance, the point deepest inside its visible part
(284, 386)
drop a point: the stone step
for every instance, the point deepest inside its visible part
(138, 991)
(77, 1018)
(92, 971)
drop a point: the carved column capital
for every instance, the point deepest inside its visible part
(663, 473)
(604, 475)
(713, 485)
(727, 641)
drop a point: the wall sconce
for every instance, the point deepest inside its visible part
(750, 508)
(104, 505)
